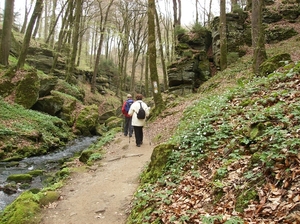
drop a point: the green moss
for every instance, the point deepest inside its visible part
(27, 92)
(113, 122)
(48, 197)
(85, 155)
(23, 210)
(158, 162)
(87, 119)
(244, 198)
(138, 216)
(36, 173)
(63, 173)
(20, 178)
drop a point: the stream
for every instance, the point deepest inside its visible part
(49, 162)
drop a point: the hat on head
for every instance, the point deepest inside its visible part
(129, 96)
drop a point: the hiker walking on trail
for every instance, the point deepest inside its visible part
(128, 129)
(139, 111)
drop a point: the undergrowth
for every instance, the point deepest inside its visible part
(257, 122)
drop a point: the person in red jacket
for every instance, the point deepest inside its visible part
(128, 129)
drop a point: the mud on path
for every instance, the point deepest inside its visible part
(102, 194)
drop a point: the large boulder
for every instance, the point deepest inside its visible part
(279, 33)
(27, 90)
(273, 63)
(47, 84)
(51, 105)
(87, 120)
(193, 66)
(72, 90)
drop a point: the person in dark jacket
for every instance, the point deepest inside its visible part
(128, 129)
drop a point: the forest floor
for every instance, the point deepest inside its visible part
(102, 194)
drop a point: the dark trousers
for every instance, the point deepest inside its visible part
(138, 133)
(128, 129)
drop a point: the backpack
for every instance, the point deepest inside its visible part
(127, 105)
(141, 114)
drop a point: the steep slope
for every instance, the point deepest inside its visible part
(235, 153)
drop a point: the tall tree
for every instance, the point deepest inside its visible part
(223, 35)
(159, 104)
(46, 18)
(53, 20)
(6, 31)
(123, 43)
(61, 35)
(26, 14)
(75, 38)
(37, 26)
(138, 39)
(177, 12)
(26, 41)
(162, 58)
(258, 36)
(103, 22)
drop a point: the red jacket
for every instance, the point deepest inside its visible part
(124, 110)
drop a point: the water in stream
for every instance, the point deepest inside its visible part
(45, 162)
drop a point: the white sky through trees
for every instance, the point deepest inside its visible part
(188, 16)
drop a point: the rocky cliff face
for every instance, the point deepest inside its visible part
(199, 51)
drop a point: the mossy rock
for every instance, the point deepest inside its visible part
(87, 120)
(114, 122)
(20, 178)
(69, 89)
(65, 172)
(11, 159)
(36, 173)
(23, 210)
(85, 155)
(273, 63)
(158, 162)
(27, 92)
(48, 197)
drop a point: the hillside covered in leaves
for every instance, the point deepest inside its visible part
(235, 155)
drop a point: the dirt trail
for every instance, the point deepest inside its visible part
(103, 194)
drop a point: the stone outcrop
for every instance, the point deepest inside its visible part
(199, 51)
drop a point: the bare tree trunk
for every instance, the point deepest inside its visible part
(258, 37)
(163, 63)
(197, 13)
(50, 38)
(60, 38)
(147, 75)
(26, 13)
(46, 19)
(177, 12)
(103, 27)
(159, 104)
(6, 31)
(223, 35)
(36, 26)
(209, 12)
(36, 12)
(75, 38)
